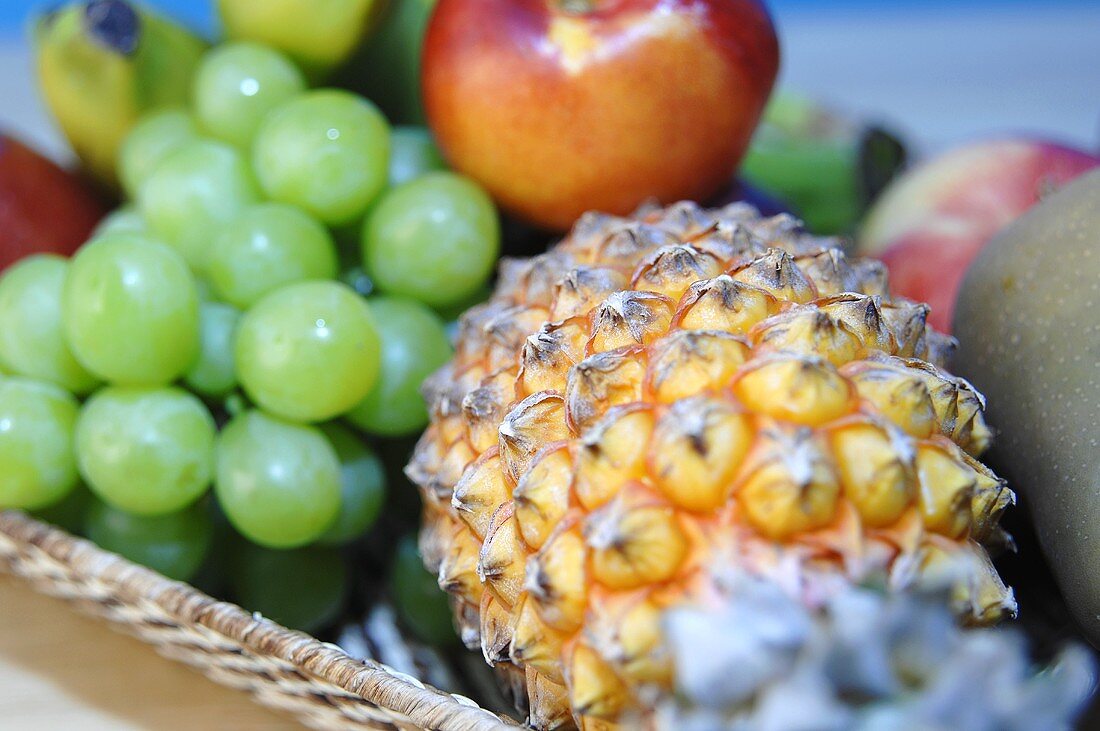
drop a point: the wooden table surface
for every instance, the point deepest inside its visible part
(60, 670)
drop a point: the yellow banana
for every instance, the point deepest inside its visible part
(102, 65)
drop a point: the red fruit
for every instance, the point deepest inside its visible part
(563, 106)
(42, 206)
(932, 222)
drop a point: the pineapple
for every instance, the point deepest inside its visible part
(677, 390)
(864, 661)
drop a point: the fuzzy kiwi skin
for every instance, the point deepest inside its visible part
(1028, 323)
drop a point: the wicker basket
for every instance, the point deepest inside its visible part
(291, 671)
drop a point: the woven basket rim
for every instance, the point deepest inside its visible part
(423, 705)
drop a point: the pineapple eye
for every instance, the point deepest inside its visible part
(480, 491)
(611, 454)
(697, 449)
(793, 488)
(798, 389)
(542, 495)
(689, 362)
(600, 382)
(874, 472)
(946, 487)
(725, 304)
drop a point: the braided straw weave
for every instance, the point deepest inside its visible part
(282, 669)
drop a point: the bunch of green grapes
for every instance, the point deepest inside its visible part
(203, 355)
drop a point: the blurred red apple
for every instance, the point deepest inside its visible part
(931, 223)
(42, 206)
(564, 106)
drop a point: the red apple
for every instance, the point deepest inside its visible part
(563, 106)
(931, 222)
(42, 206)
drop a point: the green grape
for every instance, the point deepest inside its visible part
(414, 344)
(435, 238)
(278, 482)
(419, 601)
(130, 310)
(267, 246)
(123, 218)
(32, 342)
(148, 451)
(70, 512)
(193, 193)
(214, 373)
(149, 142)
(37, 461)
(174, 545)
(413, 153)
(308, 351)
(303, 589)
(362, 486)
(236, 84)
(326, 151)
(319, 36)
